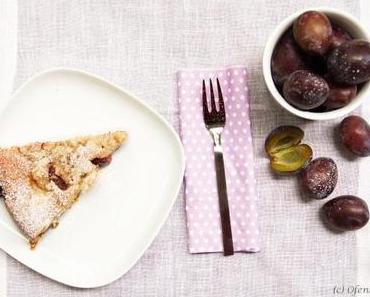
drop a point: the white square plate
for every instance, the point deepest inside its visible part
(109, 228)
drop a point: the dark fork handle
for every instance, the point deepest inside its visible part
(227, 238)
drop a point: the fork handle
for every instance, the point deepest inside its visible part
(227, 238)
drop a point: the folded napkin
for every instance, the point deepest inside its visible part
(202, 210)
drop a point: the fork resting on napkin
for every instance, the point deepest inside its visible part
(202, 208)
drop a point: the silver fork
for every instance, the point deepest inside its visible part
(215, 122)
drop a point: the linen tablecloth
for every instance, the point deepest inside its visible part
(8, 52)
(140, 45)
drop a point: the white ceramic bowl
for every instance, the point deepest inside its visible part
(347, 21)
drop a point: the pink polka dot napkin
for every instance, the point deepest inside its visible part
(202, 210)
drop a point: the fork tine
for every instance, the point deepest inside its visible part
(205, 105)
(213, 102)
(220, 99)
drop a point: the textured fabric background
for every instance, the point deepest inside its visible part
(140, 45)
(8, 54)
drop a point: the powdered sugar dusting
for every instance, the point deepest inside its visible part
(81, 158)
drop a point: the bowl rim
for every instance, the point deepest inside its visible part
(270, 46)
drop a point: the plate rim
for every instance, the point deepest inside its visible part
(178, 183)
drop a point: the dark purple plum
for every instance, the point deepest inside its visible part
(339, 95)
(346, 213)
(305, 90)
(286, 58)
(350, 62)
(319, 178)
(339, 37)
(312, 31)
(354, 133)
